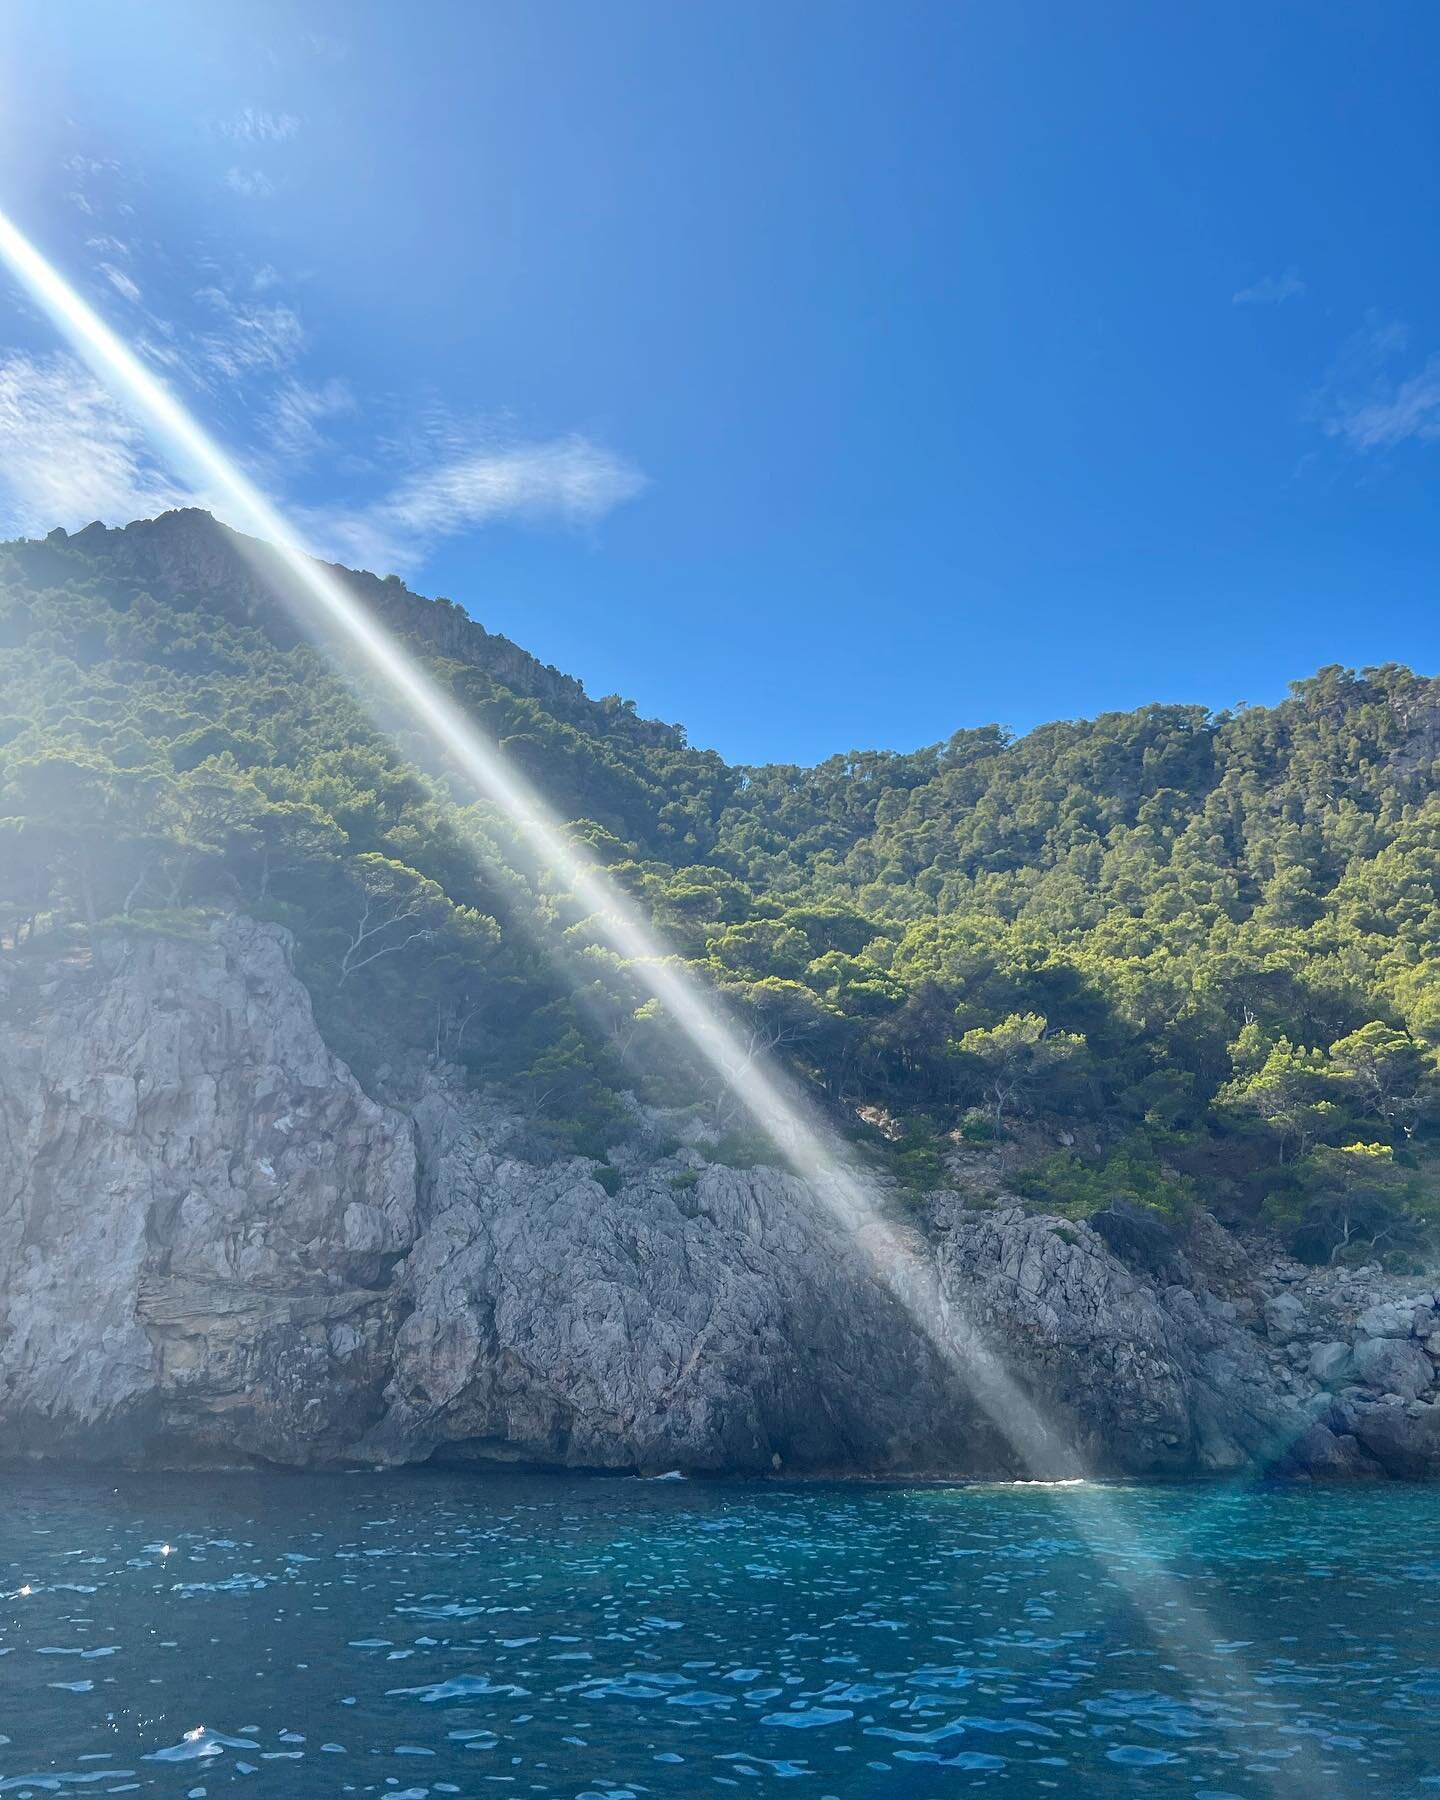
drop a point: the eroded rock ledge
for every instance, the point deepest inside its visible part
(216, 1248)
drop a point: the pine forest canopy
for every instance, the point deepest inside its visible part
(1200, 949)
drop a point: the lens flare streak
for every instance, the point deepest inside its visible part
(328, 610)
(335, 612)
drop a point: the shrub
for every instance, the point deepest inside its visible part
(741, 1150)
(1354, 1204)
(1077, 1186)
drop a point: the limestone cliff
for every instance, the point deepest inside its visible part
(214, 1247)
(200, 1211)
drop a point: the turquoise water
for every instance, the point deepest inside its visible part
(429, 1634)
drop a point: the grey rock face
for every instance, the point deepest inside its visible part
(1148, 1380)
(214, 1247)
(1140, 1239)
(1335, 1456)
(720, 1325)
(194, 1194)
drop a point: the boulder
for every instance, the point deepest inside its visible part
(1387, 1319)
(1331, 1363)
(1285, 1318)
(1332, 1456)
(1393, 1366)
(1405, 1446)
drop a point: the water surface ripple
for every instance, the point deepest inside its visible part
(429, 1634)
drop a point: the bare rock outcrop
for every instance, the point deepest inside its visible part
(1152, 1377)
(708, 1317)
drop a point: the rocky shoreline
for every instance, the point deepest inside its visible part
(217, 1250)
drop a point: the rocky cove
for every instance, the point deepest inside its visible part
(218, 1250)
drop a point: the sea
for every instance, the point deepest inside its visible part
(422, 1633)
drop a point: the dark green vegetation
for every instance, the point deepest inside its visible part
(1201, 947)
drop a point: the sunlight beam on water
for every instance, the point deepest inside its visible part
(896, 1258)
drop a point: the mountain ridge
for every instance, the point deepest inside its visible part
(1191, 954)
(188, 550)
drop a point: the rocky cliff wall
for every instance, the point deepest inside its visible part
(215, 1248)
(200, 1211)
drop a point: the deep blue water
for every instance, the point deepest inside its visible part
(416, 1635)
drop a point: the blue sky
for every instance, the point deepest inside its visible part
(820, 375)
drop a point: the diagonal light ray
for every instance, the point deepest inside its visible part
(338, 615)
(327, 609)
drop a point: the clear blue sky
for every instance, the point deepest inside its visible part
(820, 375)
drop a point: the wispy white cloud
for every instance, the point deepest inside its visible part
(68, 454)
(120, 281)
(568, 480)
(297, 414)
(1271, 290)
(252, 125)
(158, 346)
(245, 349)
(96, 180)
(253, 184)
(246, 338)
(1410, 409)
(1367, 404)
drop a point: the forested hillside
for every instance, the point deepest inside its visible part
(1199, 947)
